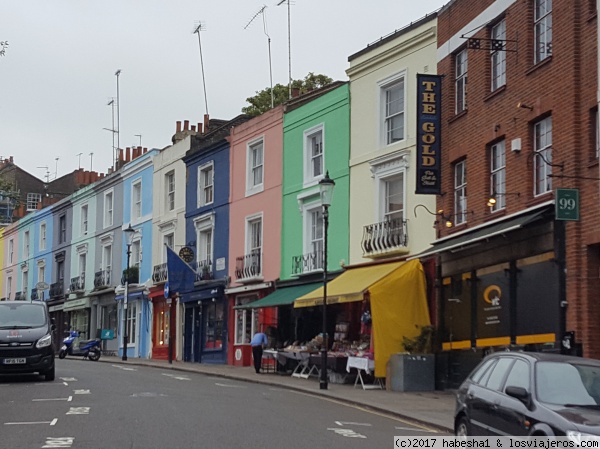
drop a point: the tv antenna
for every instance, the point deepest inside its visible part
(140, 136)
(117, 73)
(91, 160)
(289, 25)
(56, 167)
(200, 26)
(262, 11)
(79, 156)
(111, 103)
(47, 175)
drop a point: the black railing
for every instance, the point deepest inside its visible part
(384, 236)
(203, 269)
(77, 283)
(159, 273)
(102, 279)
(21, 296)
(248, 266)
(57, 289)
(34, 294)
(307, 263)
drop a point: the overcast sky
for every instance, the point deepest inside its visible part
(57, 76)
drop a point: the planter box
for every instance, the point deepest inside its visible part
(411, 372)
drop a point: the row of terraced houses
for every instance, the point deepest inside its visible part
(499, 201)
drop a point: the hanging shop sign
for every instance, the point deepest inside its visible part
(429, 110)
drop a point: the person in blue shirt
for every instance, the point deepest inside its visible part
(258, 343)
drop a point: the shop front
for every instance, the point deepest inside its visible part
(501, 287)
(79, 316)
(205, 325)
(60, 320)
(138, 322)
(106, 321)
(163, 322)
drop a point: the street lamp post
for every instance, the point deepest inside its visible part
(326, 186)
(129, 233)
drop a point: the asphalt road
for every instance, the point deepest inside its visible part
(99, 405)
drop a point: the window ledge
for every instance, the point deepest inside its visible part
(494, 93)
(459, 115)
(542, 63)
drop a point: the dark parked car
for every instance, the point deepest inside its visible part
(530, 394)
(26, 338)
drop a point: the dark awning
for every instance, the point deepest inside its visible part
(283, 296)
(486, 232)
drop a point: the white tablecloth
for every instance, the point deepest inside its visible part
(360, 363)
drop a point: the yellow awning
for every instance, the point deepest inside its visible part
(349, 286)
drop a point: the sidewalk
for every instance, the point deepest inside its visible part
(434, 409)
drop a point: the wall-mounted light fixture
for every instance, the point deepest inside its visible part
(440, 213)
(492, 199)
(521, 105)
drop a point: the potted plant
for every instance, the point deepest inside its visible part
(414, 369)
(131, 275)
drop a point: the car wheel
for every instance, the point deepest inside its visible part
(49, 375)
(463, 429)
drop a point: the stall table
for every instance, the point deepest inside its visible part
(302, 369)
(366, 366)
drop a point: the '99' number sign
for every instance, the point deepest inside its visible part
(567, 204)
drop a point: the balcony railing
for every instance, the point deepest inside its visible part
(77, 283)
(34, 294)
(21, 296)
(57, 289)
(102, 279)
(203, 269)
(249, 266)
(307, 263)
(159, 273)
(384, 237)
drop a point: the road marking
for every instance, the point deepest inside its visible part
(124, 368)
(54, 421)
(26, 423)
(175, 376)
(54, 399)
(229, 386)
(59, 442)
(342, 423)
(420, 428)
(346, 432)
(78, 411)
(68, 379)
(81, 392)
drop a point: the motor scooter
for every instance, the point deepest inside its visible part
(87, 348)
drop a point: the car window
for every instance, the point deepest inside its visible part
(564, 383)
(480, 372)
(499, 372)
(22, 316)
(519, 376)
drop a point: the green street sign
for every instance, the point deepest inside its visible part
(567, 204)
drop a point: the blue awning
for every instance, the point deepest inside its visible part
(200, 295)
(132, 296)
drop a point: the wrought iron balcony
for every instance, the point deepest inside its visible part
(57, 289)
(384, 237)
(21, 296)
(102, 279)
(159, 273)
(248, 267)
(307, 263)
(34, 294)
(77, 283)
(203, 269)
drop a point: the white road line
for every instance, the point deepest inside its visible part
(52, 399)
(420, 429)
(229, 386)
(343, 423)
(26, 423)
(54, 421)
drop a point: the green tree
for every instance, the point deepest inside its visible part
(261, 102)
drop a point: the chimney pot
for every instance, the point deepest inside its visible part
(127, 154)
(206, 121)
(200, 131)
(186, 123)
(178, 126)
(193, 128)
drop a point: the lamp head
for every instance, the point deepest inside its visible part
(129, 233)
(326, 186)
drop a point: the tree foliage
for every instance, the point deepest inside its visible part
(261, 102)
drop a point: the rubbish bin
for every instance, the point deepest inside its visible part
(411, 372)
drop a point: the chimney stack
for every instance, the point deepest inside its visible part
(178, 126)
(206, 122)
(186, 124)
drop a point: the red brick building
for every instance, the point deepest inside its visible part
(519, 120)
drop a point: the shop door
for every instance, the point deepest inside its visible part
(188, 334)
(214, 334)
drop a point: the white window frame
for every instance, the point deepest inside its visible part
(24, 281)
(8, 287)
(255, 169)
(542, 25)
(542, 148)
(168, 240)
(498, 57)
(136, 255)
(242, 316)
(107, 251)
(461, 62)
(132, 310)
(84, 219)
(310, 212)
(385, 88)
(498, 175)
(206, 191)
(460, 192)
(310, 177)
(43, 230)
(11, 251)
(136, 199)
(62, 228)
(41, 274)
(33, 199)
(170, 191)
(82, 262)
(109, 204)
(389, 215)
(204, 245)
(26, 244)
